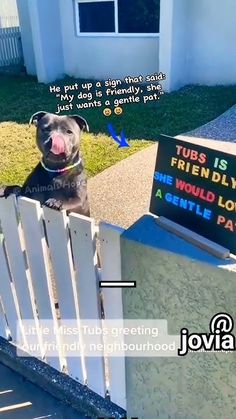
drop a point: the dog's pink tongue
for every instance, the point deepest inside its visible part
(58, 145)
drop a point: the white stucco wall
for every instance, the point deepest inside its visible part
(174, 43)
(41, 38)
(213, 37)
(103, 57)
(26, 36)
(180, 43)
(197, 42)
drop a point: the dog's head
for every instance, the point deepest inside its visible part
(58, 137)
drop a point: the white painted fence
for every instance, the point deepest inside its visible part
(11, 52)
(10, 47)
(8, 14)
(44, 253)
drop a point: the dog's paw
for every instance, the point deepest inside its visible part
(6, 191)
(53, 204)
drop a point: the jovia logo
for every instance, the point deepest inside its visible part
(220, 337)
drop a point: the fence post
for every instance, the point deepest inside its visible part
(109, 237)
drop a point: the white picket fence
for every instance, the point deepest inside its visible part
(10, 47)
(44, 252)
(11, 52)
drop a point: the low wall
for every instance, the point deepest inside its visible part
(187, 286)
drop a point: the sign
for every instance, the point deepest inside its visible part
(195, 187)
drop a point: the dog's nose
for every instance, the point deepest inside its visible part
(58, 145)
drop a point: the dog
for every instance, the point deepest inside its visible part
(58, 181)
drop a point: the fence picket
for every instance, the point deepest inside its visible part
(60, 250)
(11, 44)
(82, 231)
(3, 324)
(32, 223)
(16, 256)
(7, 296)
(109, 236)
(8, 46)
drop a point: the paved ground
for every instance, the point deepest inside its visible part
(20, 399)
(121, 194)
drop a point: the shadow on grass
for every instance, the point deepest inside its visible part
(174, 113)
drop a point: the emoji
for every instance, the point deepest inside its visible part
(118, 110)
(107, 112)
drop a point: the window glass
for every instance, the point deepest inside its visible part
(97, 16)
(139, 16)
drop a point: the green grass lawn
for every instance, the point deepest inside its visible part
(173, 114)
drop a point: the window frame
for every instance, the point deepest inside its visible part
(107, 34)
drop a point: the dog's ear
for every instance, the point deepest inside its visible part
(35, 118)
(81, 122)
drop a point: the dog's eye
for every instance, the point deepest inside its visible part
(45, 129)
(69, 131)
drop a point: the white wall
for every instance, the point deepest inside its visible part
(26, 36)
(197, 42)
(46, 28)
(213, 41)
(104, 57)
(180, 43)
(41, 38)
(52, 48)
(173, 52)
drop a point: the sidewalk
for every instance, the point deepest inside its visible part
(19, 399)
(121, 194)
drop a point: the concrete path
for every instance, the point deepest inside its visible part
(121, 194)
(19, 399)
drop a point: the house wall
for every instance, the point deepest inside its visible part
(103, 57)
(8, 14)
(45, 19)
(197, 42)
(180, 43)
(48, 40)
(26, 36)
(41, 38)
(212, 38)
(174, 43)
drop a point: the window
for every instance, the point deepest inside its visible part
(118, 16)
(138, 16)
(97, 16)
